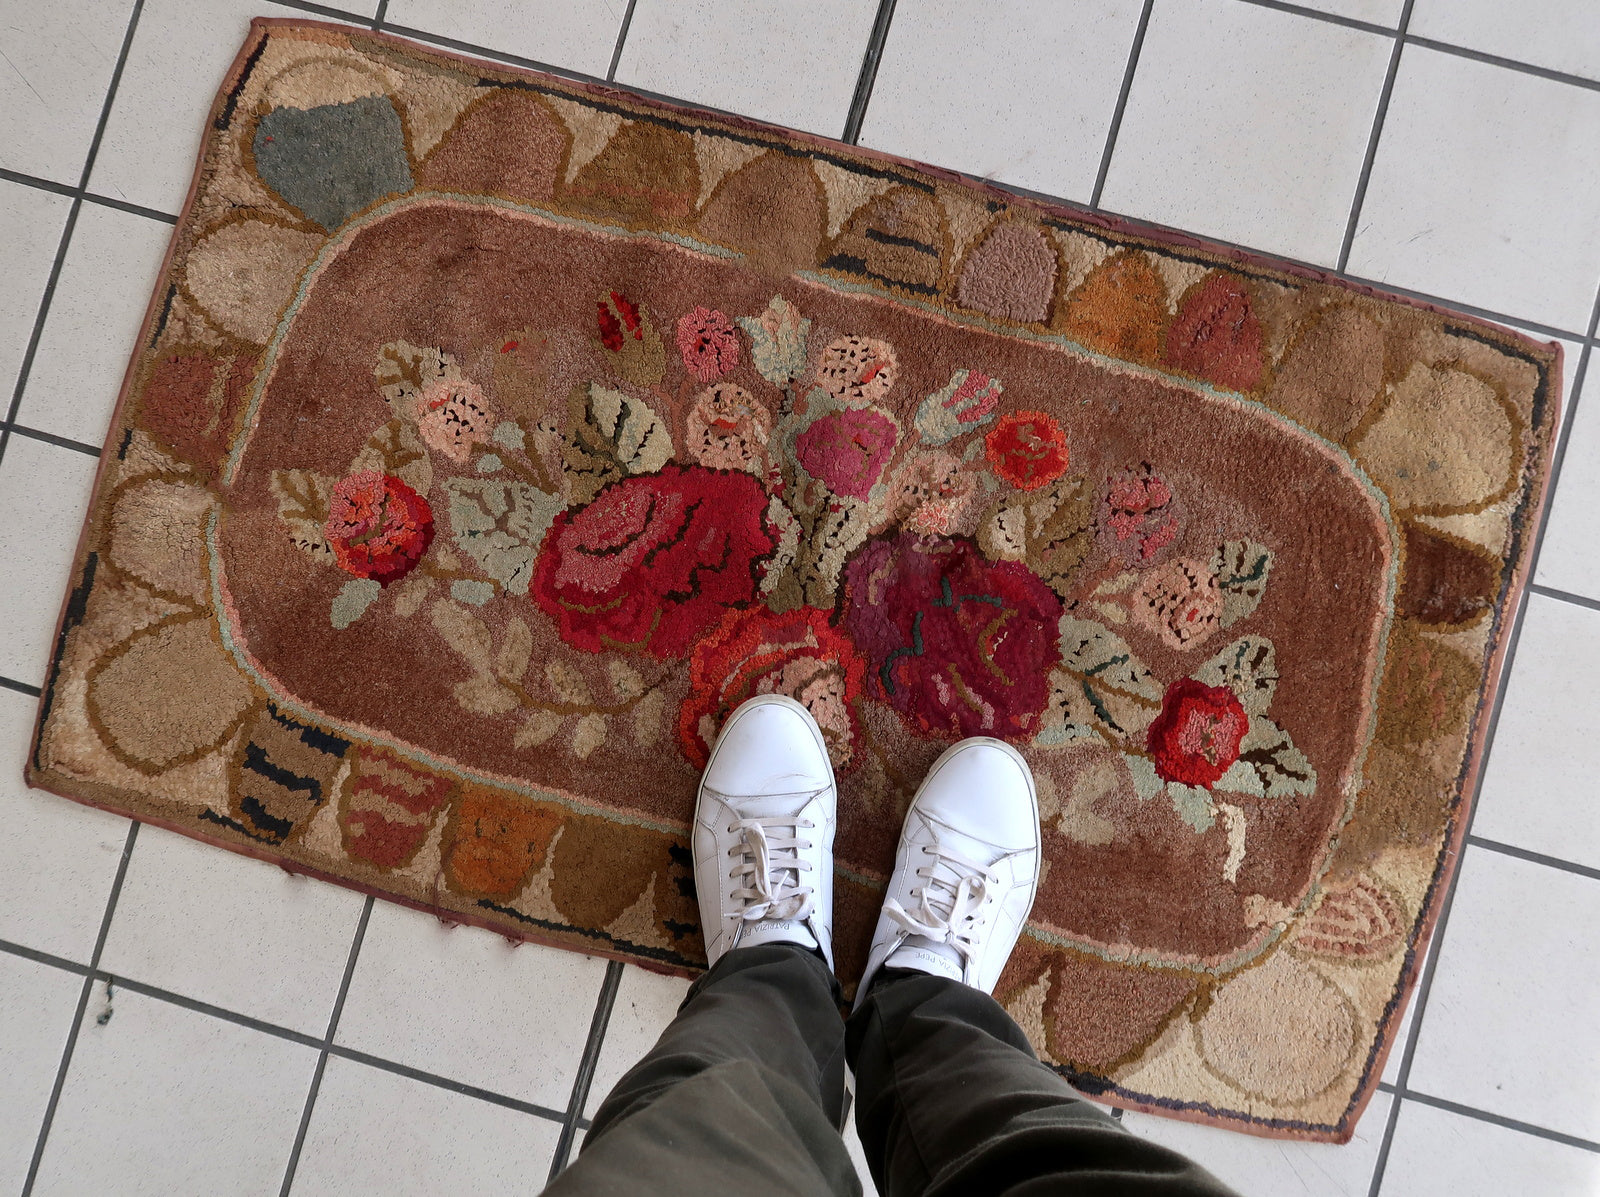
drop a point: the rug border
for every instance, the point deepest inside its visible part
(1446, 864)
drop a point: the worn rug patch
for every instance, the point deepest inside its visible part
(491, 437)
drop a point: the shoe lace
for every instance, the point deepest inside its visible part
(951, 907)
(769, 868)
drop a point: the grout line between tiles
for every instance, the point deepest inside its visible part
(50, 438)
(622, 36)
(586, 1065)
(532, 64)
(69, 191)
(11, 683)
(322, 1056)
(379, 13)
(323, 10)
(1527, 1128)
(1539, 858)
(38, 957)
(1565, 596)
(82, 188)
(89, 978)
(1524, 68)
(1360, 198)
(1425, 985)
(1327, 18)
(868, 78)
(1134, 50)
(444, 1082)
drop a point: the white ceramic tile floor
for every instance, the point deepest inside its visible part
(451, 1047)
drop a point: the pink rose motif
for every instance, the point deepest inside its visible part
(1181, 603)
(1140, 514)
(727, 429)
(857, 370)
(848, 450)
(708, 343)
(378, 526)
(452, 416)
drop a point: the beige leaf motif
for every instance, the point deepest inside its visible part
(516, 648)
(647, 718)
(396, 449)
(541, 725)
(404, 369)
(568, 684)
(464, 632)
(483, 695)
(303, 510)
(589, 734)
(625, 680)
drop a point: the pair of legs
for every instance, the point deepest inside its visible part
(745, 1090)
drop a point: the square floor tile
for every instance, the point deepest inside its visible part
(1510, 1025)
(1567, 559)
(1562, 35)
(1261, 1166)
(180, 53)
(163, 1100)
(1538, 786)
(573, 37)
(1248, 124)
(93, 325)
(58, 59)
(467, 1004)
(1005, 90)
(57, 858)
(375, 1132)
(1376, 12)
(646, 1003)
(1439, 1154)
(37, 1003)
(231, 931)
(32, 220)
(1486, 190)
(44, 492)
(791, 64)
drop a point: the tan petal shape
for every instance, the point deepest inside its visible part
(158, 535)
(244, 274)
(1291, 1057)
(509, 143)
(1332, 373)
(1357, 920)
(773, 209)
(1120, 309)
(1011, 275)
(1444, 442)
(896, 238)
(168, 695)
(318, 81)
(645, 170)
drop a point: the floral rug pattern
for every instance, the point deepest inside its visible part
(493, 437)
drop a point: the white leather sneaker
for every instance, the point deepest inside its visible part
(966, 871)
(763, 831)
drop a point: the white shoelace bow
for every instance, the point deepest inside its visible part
(770, 867)
(950, 906)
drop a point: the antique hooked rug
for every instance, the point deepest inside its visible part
(492, 436)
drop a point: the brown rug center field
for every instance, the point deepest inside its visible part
(492, 437)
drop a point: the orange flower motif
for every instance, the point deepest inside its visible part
(1027, 449)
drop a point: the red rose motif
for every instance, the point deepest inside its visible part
(1195, 739)
(959, 645)
(1027, 449)
(654, 560)
(848, 449)
(758, 652)
(1141, 515)
(708, 343)
(378, 526)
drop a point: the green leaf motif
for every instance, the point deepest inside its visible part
(352, 601)
(1193, 805)
(1269, 765)
(1248, 667)
(500, 525)
(610, 435)
(1241, 567)
(1147, 782)
(777, 341)
(1103, 657)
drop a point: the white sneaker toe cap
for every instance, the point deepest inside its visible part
(983, 788)
(769, 746)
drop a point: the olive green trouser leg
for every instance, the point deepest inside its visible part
(743, 1090)
(950, 1100)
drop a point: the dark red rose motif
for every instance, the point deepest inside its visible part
(848, 449)
(618, 317)
(1195, 739)
(654, 560)
(1141, 515)
(959, 645)
(1216, 334)
(758, 652)
(1027, 449)
(708, 343)
(378, 526)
